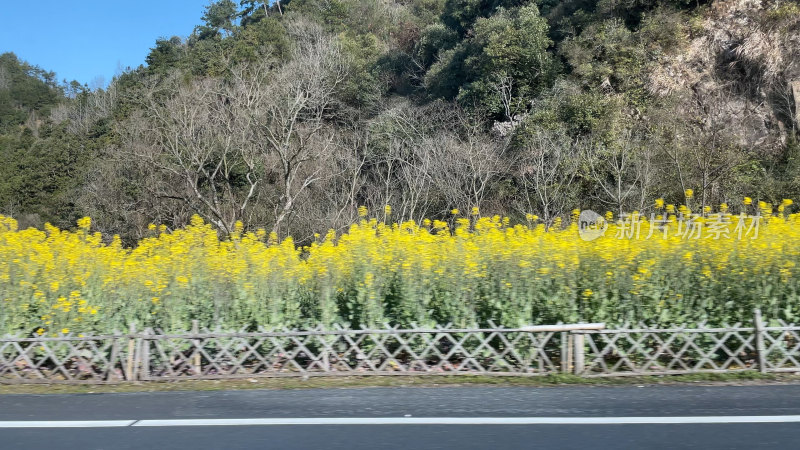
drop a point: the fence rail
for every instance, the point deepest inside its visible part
(587, 350)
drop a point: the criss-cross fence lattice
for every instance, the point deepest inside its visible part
(643, 350)
(392, 351)
(583, 349)
(92, 359)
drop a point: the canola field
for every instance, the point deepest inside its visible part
(672, 267)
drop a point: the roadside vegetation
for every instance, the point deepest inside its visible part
(678, 267)
(361, 162)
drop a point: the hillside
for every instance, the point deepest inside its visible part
(291, 116)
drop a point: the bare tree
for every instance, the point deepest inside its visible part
(400, 166)
(465, 168)
(701, 146)
(334, 200)
(512, 104)
(84, 111)
(259, 137)
(124, 195)
(197, 135)
(547, 169)
(616, 171)
(292, 119)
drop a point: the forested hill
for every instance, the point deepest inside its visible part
(290, 116)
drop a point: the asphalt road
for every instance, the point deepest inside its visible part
(410, 418)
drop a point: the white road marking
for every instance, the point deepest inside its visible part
(66, 423)
(466, 421)
(400, 421)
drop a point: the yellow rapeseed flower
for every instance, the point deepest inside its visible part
(466, 269)
(85, 223)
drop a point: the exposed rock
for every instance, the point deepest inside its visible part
(504, 129)
(737, 71)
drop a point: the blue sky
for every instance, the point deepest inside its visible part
(85, 39)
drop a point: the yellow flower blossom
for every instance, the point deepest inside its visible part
(465, 270)
(85, 223)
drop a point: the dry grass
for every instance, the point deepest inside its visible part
(421, 381)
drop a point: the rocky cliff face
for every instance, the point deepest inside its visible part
(740, 68)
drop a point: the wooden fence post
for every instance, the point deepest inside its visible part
(761, 352)
(196, 361)
(577, 354)
(112, 363)
(326, 358)
(129, 375)
(144, 356)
